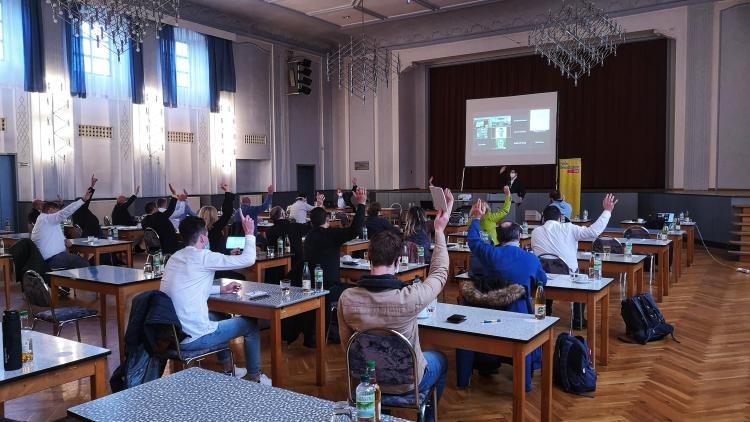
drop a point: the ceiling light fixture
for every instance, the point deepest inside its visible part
(118, 21)
(361, 64)
(577, 38)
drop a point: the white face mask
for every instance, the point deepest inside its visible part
(513, 175)
(340, 194)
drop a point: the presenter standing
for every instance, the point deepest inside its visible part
(517, 191)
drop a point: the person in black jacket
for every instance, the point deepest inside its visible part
(159, 222)
(294, 232)
(375, 223)
(36, 209)
(215, 224)
(120, 213)
(86, 220)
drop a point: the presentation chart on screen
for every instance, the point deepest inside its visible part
(513, 130)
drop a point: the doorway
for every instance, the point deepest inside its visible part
(8, 192)
(306, 180)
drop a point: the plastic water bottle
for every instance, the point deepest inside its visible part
(420, 255)
(8, 227)
(318, 277)
(280, 245)
(115, 233)
(287, 246)
(597, 266)
(404, 257)
(585, 215)
(2, 247)
(157, 263)
(525, 228)
(374, 383)
(628, 248)
(111, 234)
(365, 400)
(306, 278)
(364, 233)
(682, 216)
(664, 232)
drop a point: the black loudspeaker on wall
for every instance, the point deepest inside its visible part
(299, 76)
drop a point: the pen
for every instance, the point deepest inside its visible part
(490, 321)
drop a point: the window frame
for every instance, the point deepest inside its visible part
(182, 64)
(95, 57)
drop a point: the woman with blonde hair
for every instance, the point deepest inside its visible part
(215, 224)
(418, 231)
(488, 223)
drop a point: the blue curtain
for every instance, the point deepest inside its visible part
(221, 75)
(168, 70)
(33, 46)
(74, 54)
(137, 84)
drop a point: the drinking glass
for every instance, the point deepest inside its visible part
(574, 275)
(91, 239)
(285, 285)
(366, 256)
(270, 252)
(606, 249)
(148, 269)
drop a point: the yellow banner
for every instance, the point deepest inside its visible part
(570, 182)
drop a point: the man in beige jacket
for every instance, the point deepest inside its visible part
(381, 300)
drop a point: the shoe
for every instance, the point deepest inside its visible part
(261, 379)
(238, 372)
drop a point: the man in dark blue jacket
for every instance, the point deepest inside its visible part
(375, 223)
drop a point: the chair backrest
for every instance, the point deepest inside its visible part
(36, 290)
(151, 239)
(394, 356)
(107, 220)
(553, 264)
(602, 241)
(636, 232)
(73, 232)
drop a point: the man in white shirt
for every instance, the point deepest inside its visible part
(49, 237)
(299, 209)
(182, 209)
(560, 238)
(189, 280)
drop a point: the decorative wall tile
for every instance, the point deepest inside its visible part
(256, 139)
(93, 131)
(181, 137)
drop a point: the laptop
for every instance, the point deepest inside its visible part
(668, 217)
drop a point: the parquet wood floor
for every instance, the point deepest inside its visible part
(705, 377)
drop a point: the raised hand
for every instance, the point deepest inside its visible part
(93, 181)
(223, 186)
(360, 196)
(477, 210)
(449, 199)
(502, 169)
(430, 181)
(184, 191)
(247, 223)
(319, 197)
(231, 287)
(137, 189)
(354, 181)
(506, 190)
(609, 202)
(59, 199)
(171, 189)
(441, 221)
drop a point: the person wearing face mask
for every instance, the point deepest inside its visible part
(189, 281)
(518, 192)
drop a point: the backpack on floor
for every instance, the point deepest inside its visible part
(573, 369)
(643, 319)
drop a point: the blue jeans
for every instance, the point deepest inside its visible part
(435, 374)
(229, 329)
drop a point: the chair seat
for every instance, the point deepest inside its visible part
(403, 400)
(189, 354)
(70, 313)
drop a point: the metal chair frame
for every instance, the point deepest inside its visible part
(651, 257)
(421, 408)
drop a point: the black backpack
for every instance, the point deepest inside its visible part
(643, 320)
(573, 369)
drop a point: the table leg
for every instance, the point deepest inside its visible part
(632, 286)
(102, 317)
(259, 273)
(591, 329)
(690, 245)
(638, 278)
(664, 270)
(320, 322)
(678, 260)
(97, 258)
(519, 379)
(7, 280)
(604, 354)
(288, 266)
(99, 379)
(130, 256)
(546, 386)
(53, 291)
(276, 357)
(120, 305)
(2, 409)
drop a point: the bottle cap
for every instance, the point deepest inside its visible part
(370, 364)
(364, 378)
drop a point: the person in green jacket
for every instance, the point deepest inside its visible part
(488, 223)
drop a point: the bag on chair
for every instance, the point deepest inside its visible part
(573, 369)
(643, 319)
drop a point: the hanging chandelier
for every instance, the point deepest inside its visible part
(577, 38)
(116, 21)
(361, 64)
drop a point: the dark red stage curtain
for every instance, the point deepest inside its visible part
(615, 120)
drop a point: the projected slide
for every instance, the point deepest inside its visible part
(511, 130)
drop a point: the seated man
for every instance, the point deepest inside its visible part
(246, 205)
(86, 220)
(504, 266)
(159, 221)
(49, 237)
(299, 209)
(381, 300)
(290, 231)
(120, 213)
(181, 209)
(36, 209)
(189, 280)
(375, 223)
(322, 247)
(559, 238)
(557, 200)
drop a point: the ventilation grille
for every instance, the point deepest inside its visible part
(2, 124)
(181, 137)
(256, 139)
(92, 131)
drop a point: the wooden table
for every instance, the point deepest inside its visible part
(104, 280)
(274, 308)
(263, 262)
(102, 246)
(687, 227)
(188, 395)
(57, 361)
(131, 233)
(6, 265)
(632, 267)
(674, 235)
(405, 274)
(455, 228)
(354, 245)
(515, 336)
(580, 222)
(11, 239)
(660, 248)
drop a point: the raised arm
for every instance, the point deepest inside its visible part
(171, 207)
(346, 234)
(594, 230)
(227, 209)
(499, 215)
(217, 262)
(482, 250)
